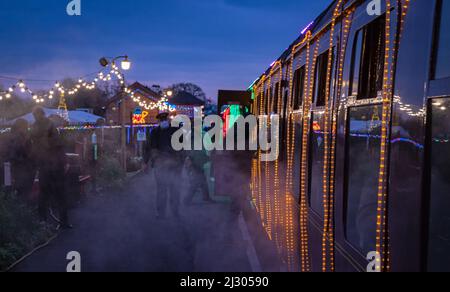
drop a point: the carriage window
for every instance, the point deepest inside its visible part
(266, 102)
(443, 50)
(297, 155)
(299, 85)
(363, 161)
(439, 225)
(356, 65)
(369, 59)
(320, 82)
(276, 97)
(317, 139)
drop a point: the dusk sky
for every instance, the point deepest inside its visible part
(217, 44)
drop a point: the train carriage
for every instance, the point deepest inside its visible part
(362, 179)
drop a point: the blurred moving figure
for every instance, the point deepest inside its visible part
(48, 151)
(22, 166)
(196, 162)
(167, 164)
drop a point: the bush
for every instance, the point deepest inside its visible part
(110, 173)
(20, 231)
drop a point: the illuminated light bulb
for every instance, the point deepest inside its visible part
(21, 84)
(57, 85)
(35, 96)
(10, 89)
(8, 95)
(1, 97)
(50, 97)
(80, 81)
(23, 90)
(126, 64)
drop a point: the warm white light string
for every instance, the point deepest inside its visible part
(22, 87)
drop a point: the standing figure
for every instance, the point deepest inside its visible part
(167, 164)
(196, 170)
(22, 166)
(48, 150)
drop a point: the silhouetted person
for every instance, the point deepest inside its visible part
(22, 166)
(48, 151)
(197, 178)
(167, 164)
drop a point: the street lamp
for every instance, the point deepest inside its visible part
(125, 63)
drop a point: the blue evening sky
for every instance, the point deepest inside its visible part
(217, 44)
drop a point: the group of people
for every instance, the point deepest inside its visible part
(168, 167)
(39, 150)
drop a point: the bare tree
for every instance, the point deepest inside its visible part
(191, 88)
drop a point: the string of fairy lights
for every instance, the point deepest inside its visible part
(381, 230)
(326, 253)
(107, 75)
(21, 86)
(278, 220)
(291, 130)
(346, 30)
(267, 166)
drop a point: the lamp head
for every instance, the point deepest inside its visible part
(104, 62)
(126, 64)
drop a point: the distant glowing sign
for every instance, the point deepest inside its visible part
(139, 116)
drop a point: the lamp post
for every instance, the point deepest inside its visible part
(125, 65)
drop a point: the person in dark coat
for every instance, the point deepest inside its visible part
(167, 164)
(20, 156)
(50, 158)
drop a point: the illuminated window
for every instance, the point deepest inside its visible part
(439, 224)
(368, 60)
(443, 49)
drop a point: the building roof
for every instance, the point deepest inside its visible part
(75, 117)
(139, 89)
(185, 98)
